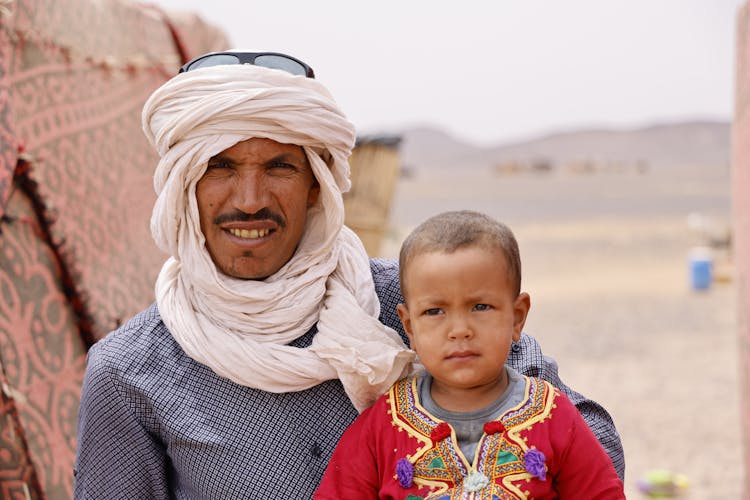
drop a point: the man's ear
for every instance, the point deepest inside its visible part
(521, 308)
(313, 194)
(403, 314)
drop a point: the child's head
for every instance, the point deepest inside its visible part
(450, 231)
(461, 278)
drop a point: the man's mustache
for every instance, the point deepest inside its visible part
(240, 216)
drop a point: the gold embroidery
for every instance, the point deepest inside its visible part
(442, 467)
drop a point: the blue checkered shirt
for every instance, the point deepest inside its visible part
(155, 424)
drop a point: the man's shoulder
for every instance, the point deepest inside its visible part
(142, 337)
(387, 286)
(386, 279)
(380, 265)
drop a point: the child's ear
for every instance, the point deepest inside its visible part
(521, 308)
(403, 314)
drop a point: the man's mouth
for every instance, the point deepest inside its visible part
(250, 234)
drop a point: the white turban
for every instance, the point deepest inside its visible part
(241, 328)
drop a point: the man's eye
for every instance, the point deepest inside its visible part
(218, 164)
(433, 312)
(482, 307)
(283, 165)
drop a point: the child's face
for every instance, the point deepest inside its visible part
(461, 315)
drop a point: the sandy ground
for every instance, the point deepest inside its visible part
(605, 260)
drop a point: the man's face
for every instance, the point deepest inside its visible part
(253, 202)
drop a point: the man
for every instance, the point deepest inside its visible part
(271, 327)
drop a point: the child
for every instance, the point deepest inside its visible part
(468, 427)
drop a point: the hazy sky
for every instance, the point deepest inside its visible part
(490, 71)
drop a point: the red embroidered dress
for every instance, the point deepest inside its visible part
(540, 449)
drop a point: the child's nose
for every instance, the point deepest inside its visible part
(461, 329)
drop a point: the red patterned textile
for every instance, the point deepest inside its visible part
(42, 356)
(76, 192)
(542, 449)
(18, 479)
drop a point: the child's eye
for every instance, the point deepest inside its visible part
(433, 311)
(482, 307)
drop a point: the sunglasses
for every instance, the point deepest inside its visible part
(273, 60)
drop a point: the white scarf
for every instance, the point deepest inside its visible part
(241, 328)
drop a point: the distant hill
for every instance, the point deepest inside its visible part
(696, 143)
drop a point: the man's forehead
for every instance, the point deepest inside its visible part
(262, 147)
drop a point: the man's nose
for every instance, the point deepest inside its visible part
(251, 192)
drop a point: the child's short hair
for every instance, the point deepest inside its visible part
(449, 231)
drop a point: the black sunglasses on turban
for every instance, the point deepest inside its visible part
(273, 60)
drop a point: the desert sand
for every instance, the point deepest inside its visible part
(605, 257)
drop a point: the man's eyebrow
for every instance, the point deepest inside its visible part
(289, 157)
(285, 157)
(221, 157)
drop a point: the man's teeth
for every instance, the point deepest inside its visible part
(249, 233)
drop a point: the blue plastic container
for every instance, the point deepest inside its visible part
(701, 269)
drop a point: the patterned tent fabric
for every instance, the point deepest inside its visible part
(76, 254)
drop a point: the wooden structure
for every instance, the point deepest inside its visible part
(375, 167)
(741, 220)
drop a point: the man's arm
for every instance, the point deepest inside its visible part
(583, 469)
(525, 356)
(116, 457)
(352, 471)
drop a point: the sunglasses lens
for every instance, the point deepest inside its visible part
(214, 60)
(273, 61)
(280, 62)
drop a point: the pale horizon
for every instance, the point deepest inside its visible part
(492, 73)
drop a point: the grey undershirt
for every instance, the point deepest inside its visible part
(469, 426)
